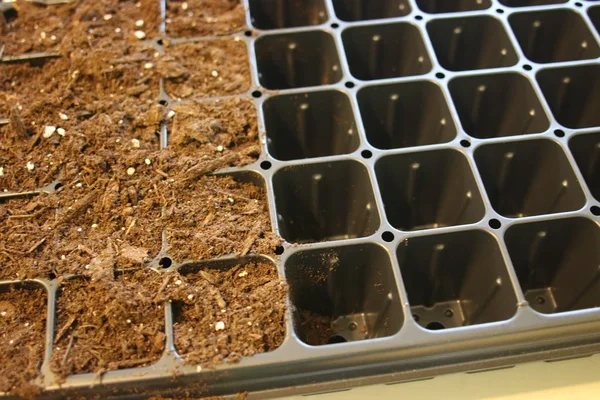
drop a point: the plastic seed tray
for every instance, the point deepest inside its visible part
(434, 167)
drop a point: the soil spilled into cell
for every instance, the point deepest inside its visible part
(225, 313)
(315, 329)
(22, 337)
(187, 18)
(205, 69)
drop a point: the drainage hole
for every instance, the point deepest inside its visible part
(559, 133)
(527, 67)
(595, 210)
(387, 236)
(439, 75)
(349, 85)
(256, 94)
(162, 102)
(336, 339)
(248, 33)
(449, 313)
(495, 224)
(465, 143)
(334, 25)
(160, 42)
(500, 11)
(435, 326)
(265, 164)
(165, 262)
(366, 154)
(352, 326)
(279, 250)
(418, 17)
(540, 300)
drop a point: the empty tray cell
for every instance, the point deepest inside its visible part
(528, 178)
(385, 51)
(530, 3)
(594, 14)
(471, 43)
(328, 201)
(359, 10)
(553, 36)
(297, 59)
(307, 125)
(586, 150)
(498, 105)
(573, 94)
(456, 279)
(557, 263)
(445, 6)
(278, 14)
(405, 115)
(343, 294)
(428, 190)
(22, 337)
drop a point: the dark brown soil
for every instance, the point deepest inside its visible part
(204, 17)
(214, 217)
(225, 314)
(80, 24)
(206, 69)
(316, 328)
(22, 338)
(122, 328)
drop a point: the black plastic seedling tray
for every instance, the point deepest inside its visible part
(437, 165)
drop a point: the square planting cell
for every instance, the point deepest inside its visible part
(297, 60)
(445, 6)
(557, 263)
(359, 10)
(328, 201)
(456, 279)
(385, 51)
(528, 178)
(429, 190)
(530, 3)
(586, 150)
(573, 94)
(553, 36)
(307, 125)
(498, 105)
(343, 294)
(279, 14)
(471, 43)
(405, 115)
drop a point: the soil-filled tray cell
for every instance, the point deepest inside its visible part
(226, 310)
(297, 59)
(112, 322)
(557, 263)
(223, 132)
(498, 105)
(456, 279)
(573, 94)
(444, 6)
(471, 43)
(429, 190)
(528, 178)
(554, 36)
(586, 150)
(405, 115)
(360, 10)
(385, 51)
(190, 18)
(204, 69)
(279, 14)
(343, 294)
(328, 201)
(308, 125)
(22, 337)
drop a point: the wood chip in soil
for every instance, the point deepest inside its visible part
(189, 18)
(205, 69)
(217, 216)
(22, 338)
(108, 324)
(222, 315)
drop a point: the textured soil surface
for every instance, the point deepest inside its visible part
(204, 17)
(205, 69)
(223, 314)
(315, 329)
(22, 337)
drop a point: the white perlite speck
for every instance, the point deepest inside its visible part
(178, 282)
(219, 148)
(48, 131)
(79, 230)
(63, 116)
(170, 114)
(30, 166)
(117, 30)
(130, 171)
(243, 274)
(61, 131)
(190, 296)
(214, 73)
(107, 17)
(135, 143)
(184, 6)
(1, 171)
(139, 22)
(148, 65)
(140, 34)
(94, 226)
(219, 326)
(147, 161)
